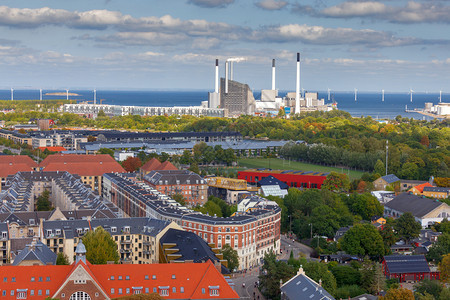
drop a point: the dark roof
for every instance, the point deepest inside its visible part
(436, 189)
(190, 246)
(406, 264)
(173, 177)
(38, 251)
(303, 287)
(418, 206)
(270, 180)
(390, 178)
(365, 297)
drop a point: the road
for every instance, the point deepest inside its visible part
(288, 245)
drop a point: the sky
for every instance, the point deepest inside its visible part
(172, 44)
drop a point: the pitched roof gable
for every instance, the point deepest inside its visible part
(167, 165)
(406, 263)
(420, 187)
(390, 178)
(151, 165)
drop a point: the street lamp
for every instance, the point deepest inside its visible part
(310, 224)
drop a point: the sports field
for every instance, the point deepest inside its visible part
(280, 164)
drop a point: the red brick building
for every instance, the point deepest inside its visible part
(84, 281)
(297, 179)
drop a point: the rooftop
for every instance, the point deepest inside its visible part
(417, 205)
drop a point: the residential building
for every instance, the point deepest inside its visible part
(436, 192)
(82, 280)
(426, 211)
(297, 179)
(418, 189)
(89, 167)
(196, 137)
(137, 239)
(406, 185)
(190, 185)
(407, 268)
(11, 164)
(302, 287)
(381, 183)
(252, 233)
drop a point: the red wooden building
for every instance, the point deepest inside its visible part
(297, 179)
(408, 268)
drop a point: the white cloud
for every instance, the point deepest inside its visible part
(271, 4)
(331, 36)
(211, 3)
(411, 12)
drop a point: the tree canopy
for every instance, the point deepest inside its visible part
(100, 247)
(231, 256)
(407, 227)
(363, 239)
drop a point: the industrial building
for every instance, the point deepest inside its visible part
(236, 97)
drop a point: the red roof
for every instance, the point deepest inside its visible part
(53, 149)
(11, 164)
(420, 187)
(83, 165)
(167, 165)
(196, 279)
(154, 164)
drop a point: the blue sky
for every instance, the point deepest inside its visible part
(172, 44)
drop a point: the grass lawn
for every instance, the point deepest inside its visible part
(280, 164)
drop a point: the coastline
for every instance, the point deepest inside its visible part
(61, 94)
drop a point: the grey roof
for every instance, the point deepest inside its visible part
(418, 206)
(436, 189)
(390, 178)
(303, 287)
(365, 297)
(145, 226)
(39, 251)
(270, 180)
(173, 177)
(406, 264)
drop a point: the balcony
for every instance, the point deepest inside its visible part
(128, 242)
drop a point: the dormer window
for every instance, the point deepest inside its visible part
(126, 229)
(31, 221)
(113, 229)
(214, 290)
(58, 231)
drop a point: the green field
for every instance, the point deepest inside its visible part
(280, 164)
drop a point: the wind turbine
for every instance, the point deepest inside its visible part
(382, 95)
(411, 93)
(12, 94)
(440, 96)
(95, 96)
(356, 94)
(67, 94)
(328, 94)
(40, 94)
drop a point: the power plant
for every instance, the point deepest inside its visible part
(237, 98)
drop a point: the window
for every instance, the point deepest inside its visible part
(112, 277)
(203, 290)
(113, 229)
(128, 290)
(112, 290)
(174, 290)
(120, 291)
(32, 279)
(80, 296)
(32, 293)
(147, 290)
(13, 279)
(146, 277)
(47, 292)
(182, 289)
(48, 278)
(164, 291)
(214, 292)
(12, 292)
(39, 292)
(173, 276)
(4, 293)
(153, 276)
(120, 278)
(127, 277)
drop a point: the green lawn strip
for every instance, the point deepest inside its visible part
(280, 164)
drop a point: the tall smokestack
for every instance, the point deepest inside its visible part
(95, 96)
(273, 74)
(297, 86)
(216, 82)
(226, 77)
(231, 70)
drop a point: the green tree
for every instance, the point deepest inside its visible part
(444, 268)
(194, 168)
(427, 286)
(336, 182)
(389, 237)
(407, 227)
(272, 272)
(43, 203)
(363, 239)
(398, 294)
(380, 167)
(439, 248)
(100, 247)
(319, 271)
(106, 151)
(179, 198)
(231, 256)
(62, 259)
(346, 275)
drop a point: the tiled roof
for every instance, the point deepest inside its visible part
(53, 149)
(11, 164)
(390, 178)
(436, 189)
(406, 264)
(167, 165)
(303, 287)
(420, 187)
(83, 165)
(154, 164)
(418, 206)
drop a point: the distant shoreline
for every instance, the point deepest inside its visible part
(61, 94)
